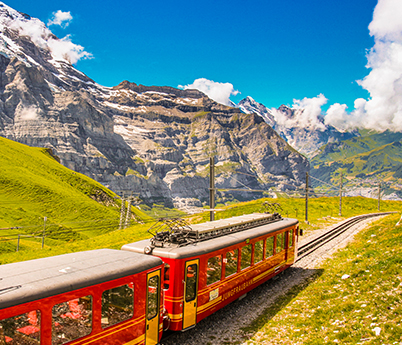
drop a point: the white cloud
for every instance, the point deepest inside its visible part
(386, 23)
(337, 116)
(61, 49)
(310, 117)
(383, 110)
(61, 18)
(64, 49)
(219, 92)
(307, 114)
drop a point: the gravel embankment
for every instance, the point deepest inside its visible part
(224, 327)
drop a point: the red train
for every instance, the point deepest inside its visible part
(127, 297)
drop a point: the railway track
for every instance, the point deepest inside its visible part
(316, 243)
(223, 326)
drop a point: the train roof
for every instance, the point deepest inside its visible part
(27, 281)
(175, 251)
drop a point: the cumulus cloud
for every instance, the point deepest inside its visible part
(307, 114)
(311, 111)
(383, 109)
(65, 49)
(386, 23)
(61, 49)
(219, 92)
(60, 18)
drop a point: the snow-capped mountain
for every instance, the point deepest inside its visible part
(29, 41)
(248, 105)
(300, 131)
(152, 140)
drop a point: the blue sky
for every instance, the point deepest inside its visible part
(274, 51)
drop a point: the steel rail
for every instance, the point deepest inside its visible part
(318, 242)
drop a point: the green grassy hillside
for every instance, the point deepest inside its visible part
(385, 159)
(34, 185)
(363, 161)
(348, 148)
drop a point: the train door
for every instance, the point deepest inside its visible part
(153, 306)
(190, 293)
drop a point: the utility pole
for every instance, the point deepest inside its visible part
(379, 195)
(132, 199)
(122, 210)
(128, 213)
(307, 197)
(212, 188)
(340, 196)
(125, 212)
(44, 231)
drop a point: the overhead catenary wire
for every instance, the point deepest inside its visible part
(332, 186)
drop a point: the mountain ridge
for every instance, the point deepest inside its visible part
(155, 141)
(307, 138)
(364, 157)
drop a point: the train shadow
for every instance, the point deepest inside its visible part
(243, 318)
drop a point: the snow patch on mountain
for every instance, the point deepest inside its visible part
(302, 126)
(248, 105)
(14, 23)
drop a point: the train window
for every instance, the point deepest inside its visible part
(269, 248)
(191, 282)
(291, 238)
(72, 320)
(214, 269)
(245, 259)
(117, 304)
(258, 251)
(231, 262)
(280, 241)
(166, 278)
(153, 297)
(21, 329)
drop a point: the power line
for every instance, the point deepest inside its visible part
(324, 182)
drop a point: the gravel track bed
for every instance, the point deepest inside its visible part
(224, 326)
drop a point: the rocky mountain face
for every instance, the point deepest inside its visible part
(303, 137)
(248, 105)
(154, 141)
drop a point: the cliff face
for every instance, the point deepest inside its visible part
(155, 141)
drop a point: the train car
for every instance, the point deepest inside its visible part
(212, 264)
(94, 297)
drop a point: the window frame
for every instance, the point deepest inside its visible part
(249, 245)
(133, 304)
(157, 307)
(236, 250)
(283, 244)
(91, 316)
(262, 242)
(272, 252)
(220, 271)
(18, 331)
(291, 241)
